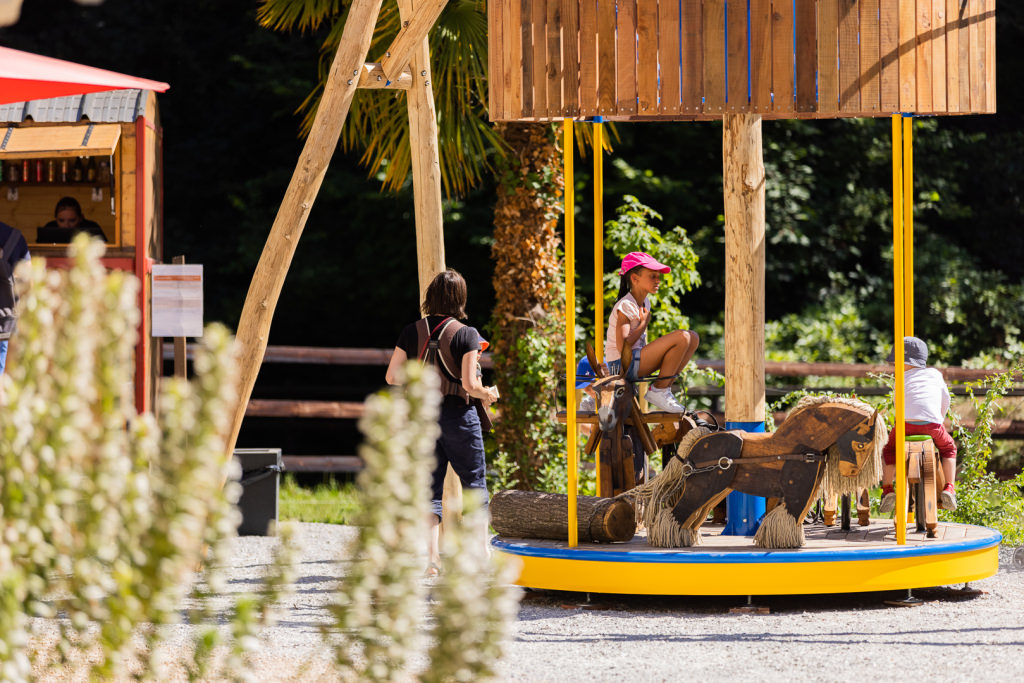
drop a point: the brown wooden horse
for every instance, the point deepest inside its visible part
(622, 433)
(838, 439)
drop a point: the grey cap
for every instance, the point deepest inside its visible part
(915, 352)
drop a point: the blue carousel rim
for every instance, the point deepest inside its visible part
(754, 556)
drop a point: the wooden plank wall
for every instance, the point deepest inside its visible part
(700, 59)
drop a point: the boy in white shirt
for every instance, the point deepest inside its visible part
(927, 401)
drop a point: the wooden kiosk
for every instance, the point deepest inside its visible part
(105, 150)
(739, 62)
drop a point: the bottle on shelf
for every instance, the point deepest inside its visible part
(63, 170)
(51, 171)
(26, 175)
(90, 170)
(40, 171)
(103, 170)
(12, 173)
(78, 171)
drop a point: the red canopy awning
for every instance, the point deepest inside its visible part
(25, 76)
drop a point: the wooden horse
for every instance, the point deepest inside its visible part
(863, 510)
(619, 421)
(833, 439)
(623, 431)
(925, 479)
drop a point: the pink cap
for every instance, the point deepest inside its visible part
(639, 258)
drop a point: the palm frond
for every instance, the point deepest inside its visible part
(378, 120)
(288, 15)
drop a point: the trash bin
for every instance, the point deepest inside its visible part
(261, 473)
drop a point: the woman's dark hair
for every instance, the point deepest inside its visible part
(68, 203)
(446, 295)
(625, 284)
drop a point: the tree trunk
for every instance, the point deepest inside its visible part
(532, 514)
(528, 322)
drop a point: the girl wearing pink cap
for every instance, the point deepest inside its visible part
(627, 329)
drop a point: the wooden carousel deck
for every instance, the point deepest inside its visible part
(832, 561)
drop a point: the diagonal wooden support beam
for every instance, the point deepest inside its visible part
(371, 77)
(411, 35)
(265, 288)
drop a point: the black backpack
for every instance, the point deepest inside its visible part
(8, 298)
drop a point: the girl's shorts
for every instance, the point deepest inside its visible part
(633, 375)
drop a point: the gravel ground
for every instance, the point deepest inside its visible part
(563, 637)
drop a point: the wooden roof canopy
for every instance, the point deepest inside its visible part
(700, 59)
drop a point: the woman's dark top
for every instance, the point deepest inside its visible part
(59, 235)
(467, 339)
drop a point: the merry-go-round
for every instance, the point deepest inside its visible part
(737, 62)
(740, 62)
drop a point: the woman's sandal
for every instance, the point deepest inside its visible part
(432, 572)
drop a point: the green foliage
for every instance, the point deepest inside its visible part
(382, 605)
(982, 498)
(379, 125)
(104, 512)
(633, 229)
(528, 398)
(832, 331)
(328, 503)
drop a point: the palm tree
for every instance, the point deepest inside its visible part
(528, 313)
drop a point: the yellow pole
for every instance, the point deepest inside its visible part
(908, 225)
(570, 331)
(599, 241)
(899, 321)
(598, 263)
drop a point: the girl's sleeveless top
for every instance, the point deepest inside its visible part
(628, 307)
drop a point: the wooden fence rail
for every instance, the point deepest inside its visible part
(353, 410)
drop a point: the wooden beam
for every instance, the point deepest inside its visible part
(415, 26)
(321, 409)
(426, 164)
(265, 288)
(372, 77)
(744, 180)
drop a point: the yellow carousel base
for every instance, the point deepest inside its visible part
(833, 561)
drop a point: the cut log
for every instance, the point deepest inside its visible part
(534, 514)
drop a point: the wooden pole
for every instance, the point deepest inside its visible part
(265, 288)
(180, 346)
(426, 165)
(426, 190)
(744, 179)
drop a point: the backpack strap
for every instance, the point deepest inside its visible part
(435, 348)
(423, 338)
(12, 241)
(452, 364)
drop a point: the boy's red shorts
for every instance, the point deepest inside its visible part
(943, 441)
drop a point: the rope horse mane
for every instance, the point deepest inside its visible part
(654, 500)
(832, 483)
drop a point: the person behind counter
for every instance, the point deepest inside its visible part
(68, 222)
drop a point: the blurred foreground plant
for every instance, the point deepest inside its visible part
(381, 608)
(104, 513)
